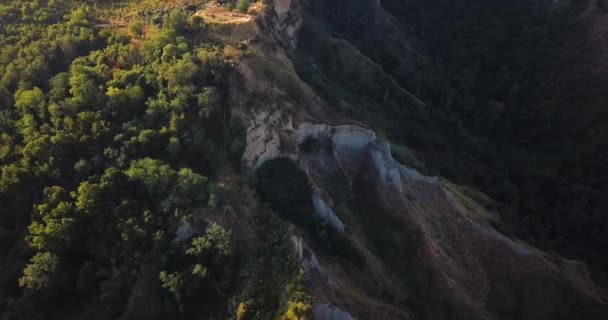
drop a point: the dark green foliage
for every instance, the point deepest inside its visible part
(175, 21)
(201, 266)
(104, 151)
(39, 274)
(137, 29)
(285, 187)
(511, 78)
(272, 275)
(243, 5)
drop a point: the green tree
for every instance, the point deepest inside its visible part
(216, 239)
(157, 177)
(59, 86)
(54, 231)
(31, 101)
(126, 103)
(174, 284)
(196, 22)
(175, 21)
(79, 17)
(191, 185)
(40, 272)
(299, 304)
(137, 29)
(208, 101)
(88, 195)
(6, 146)
(82, 167)
(173, 148)
(243, 5)
(85, 87)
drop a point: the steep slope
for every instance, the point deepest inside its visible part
(404, 245)
(514, 95)
(239, 167)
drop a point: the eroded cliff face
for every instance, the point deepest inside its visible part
(423, 248)
(453, 260)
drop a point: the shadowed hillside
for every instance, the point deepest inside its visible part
(514, 91)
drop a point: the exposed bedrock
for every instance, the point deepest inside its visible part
(454, 261)
(326, 311)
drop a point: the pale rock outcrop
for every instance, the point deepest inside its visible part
(351, 146)
(282, 7)
(325, 212)
(308, 260)
(290, 20)
(184, 232)
(263, 142)
(327, 311)
(462, 258)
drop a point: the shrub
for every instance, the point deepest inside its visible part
(173, 283)
(299, 304)
(286, 188)
(137, 29)
(196, 22)
(243, 5)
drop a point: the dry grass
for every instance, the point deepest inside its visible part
(217, 14)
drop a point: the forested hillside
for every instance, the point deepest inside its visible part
(302, 159)
(109, 143)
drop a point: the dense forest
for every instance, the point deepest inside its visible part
(110, 141)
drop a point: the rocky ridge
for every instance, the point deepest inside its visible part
(465, 266)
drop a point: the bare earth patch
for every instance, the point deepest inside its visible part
(217, 14)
